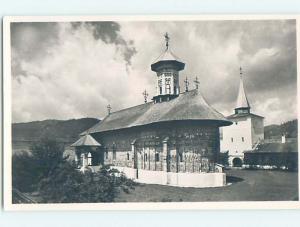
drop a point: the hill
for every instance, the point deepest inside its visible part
(289, 128)
(70, 129)
(62, 130)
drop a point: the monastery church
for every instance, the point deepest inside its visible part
(172, 140)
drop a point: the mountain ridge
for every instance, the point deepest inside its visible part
(70, 129)
(58, 129)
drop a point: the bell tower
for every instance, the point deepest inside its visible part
(167, 67)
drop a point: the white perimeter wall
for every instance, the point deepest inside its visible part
(197, 180)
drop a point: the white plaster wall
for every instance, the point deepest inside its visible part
(240, 128)
(129, 172)
(200, 180)
(151, 177)
(257, 129)
(197, 180)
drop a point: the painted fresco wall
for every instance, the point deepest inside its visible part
(188, 146)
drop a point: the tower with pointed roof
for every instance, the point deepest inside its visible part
(167, 67)
(242, 103)
(246, 132)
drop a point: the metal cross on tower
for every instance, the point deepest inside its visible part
(108, 109)
(186, 82)
(167, 39)
(196, 81)
(145, 94)
(241, 71)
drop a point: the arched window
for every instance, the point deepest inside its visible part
(180, 157)
(114, 152)
(106, 153)
(160, 86)
(157, 157)
(168, 85)
(82, 159)
(127, 156)
(90, 159)
(146, 157)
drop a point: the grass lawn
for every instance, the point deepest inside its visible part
(243, 185)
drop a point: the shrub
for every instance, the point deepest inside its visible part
(66, 185)
(24, 175)
(57, 180)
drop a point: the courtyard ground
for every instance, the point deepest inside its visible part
(243, 185)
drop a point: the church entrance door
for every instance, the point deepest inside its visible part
(237, 162)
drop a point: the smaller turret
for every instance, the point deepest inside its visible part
(167, 68)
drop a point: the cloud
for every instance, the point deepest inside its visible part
(76, 69)
(77, 76)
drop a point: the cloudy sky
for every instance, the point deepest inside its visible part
(74, 70)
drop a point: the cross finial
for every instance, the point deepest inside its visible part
(186, 84)
(108, 109)
(196, 81)
(241, 71)
(145, 94)
(167, 39)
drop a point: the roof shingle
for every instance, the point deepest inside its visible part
(187, 106)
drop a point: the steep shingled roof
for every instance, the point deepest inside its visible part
(86, 140)
(167, 57)
(276, 147)
(187, 106)
(242, 100)
(238, 115)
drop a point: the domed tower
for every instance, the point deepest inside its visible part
(167, 67)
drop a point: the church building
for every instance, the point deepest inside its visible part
(172, 140)
(246, 132)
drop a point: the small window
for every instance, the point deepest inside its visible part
(89, 159)
(157, 157)
(114, 154)
(145, 157)
(127, 156)
(106, 153)
(231, 139)
(243, 139)
(180, 157)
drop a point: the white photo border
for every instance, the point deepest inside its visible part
(7, 115)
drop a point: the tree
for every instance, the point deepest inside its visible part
(47, 155)
(28, 168)
(57, 180)
(68, 185)
(24, 175)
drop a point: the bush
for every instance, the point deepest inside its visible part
(47, 155)
(57, 180)
(24, 175)
(29, 168)
(68, 185)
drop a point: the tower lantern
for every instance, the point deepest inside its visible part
(167, 67)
